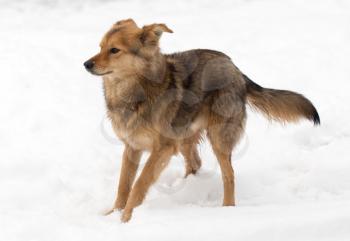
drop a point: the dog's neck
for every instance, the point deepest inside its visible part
(142, 85)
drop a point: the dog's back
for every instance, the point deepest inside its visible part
(205, 73)
(209, 82)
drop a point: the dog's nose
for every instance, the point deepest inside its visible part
(89, 64)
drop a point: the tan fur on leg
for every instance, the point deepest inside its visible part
(156, 163)
(227, 177)
(189, 151)
(192, 159)
(131, 160)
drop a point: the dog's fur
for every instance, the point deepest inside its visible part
(165, 103)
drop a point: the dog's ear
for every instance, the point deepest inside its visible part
(125, 22)
(152, 33)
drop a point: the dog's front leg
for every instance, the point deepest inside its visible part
(130, 163)
(156, 163)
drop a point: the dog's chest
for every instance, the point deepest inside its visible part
(132, 131)
(138, 139)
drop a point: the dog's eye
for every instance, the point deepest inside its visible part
(114, 50)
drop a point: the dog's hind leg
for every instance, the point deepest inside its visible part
(223, 135)
(227, 174)
(192, 159)
(190, 153)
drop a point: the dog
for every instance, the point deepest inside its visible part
(166, 103)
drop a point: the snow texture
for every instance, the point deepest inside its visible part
(60, 161)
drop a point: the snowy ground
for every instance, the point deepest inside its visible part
(60, 162)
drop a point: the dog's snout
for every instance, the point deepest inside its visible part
(89, 64)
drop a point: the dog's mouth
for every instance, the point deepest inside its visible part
(100, 74)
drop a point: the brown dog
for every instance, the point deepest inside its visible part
(165, 103)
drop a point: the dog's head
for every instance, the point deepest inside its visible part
(125, 47)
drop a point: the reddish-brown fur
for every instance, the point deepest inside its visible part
(164, 104)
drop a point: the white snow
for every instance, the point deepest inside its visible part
(60, 161)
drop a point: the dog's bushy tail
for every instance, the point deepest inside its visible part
(280, 105)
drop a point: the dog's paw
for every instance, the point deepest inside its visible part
(190, 172)
(108, 212)
(125, 217)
